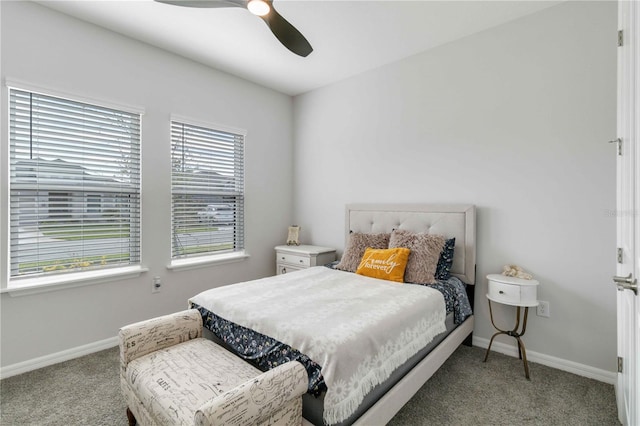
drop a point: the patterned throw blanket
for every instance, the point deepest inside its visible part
(358, 329)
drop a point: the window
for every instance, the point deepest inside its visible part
(207, 191)
(74, 186)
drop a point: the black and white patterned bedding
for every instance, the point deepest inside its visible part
(262, 351)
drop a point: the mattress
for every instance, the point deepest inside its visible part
(413, 326)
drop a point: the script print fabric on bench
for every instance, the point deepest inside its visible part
(268, 398)
(172, 376)
(173, 383)
(330, 316)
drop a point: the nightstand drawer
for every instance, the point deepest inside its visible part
(283, 269)
(293, 259)
(506, 293)
(512, 291)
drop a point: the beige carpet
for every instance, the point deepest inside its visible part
(465, 391)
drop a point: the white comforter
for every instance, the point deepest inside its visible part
(358, 329)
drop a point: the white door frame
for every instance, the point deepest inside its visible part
(628, 213)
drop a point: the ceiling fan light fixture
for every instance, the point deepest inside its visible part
(286, 33)
(258, 7)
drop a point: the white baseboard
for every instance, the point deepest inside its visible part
(605, 376)
(44, 361)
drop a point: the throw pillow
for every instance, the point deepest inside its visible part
(425, 252)
(356, 245)
(443, 270)
(386, 264)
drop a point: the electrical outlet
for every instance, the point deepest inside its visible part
(543, 309)
(156, 283)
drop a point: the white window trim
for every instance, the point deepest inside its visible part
(34, 285)
(212, 259)
(41, 90)
(203, 261)
(208, 125)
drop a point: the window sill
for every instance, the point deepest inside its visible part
(200, 262)
(28, 286)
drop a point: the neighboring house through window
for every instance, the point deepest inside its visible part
(94, 205)
(60, 204)
(207, 190)
(74, 186)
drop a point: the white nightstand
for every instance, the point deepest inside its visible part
(294, 258)
(515, 292)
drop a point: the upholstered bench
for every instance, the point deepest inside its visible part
(171, 375)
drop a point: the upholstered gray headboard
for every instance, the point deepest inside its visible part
(455, 220)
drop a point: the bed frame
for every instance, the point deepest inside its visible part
(453, 220)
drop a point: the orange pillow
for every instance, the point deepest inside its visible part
(386, 264)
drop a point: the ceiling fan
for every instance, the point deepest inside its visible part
(288, 35)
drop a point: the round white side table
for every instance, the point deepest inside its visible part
(515, 292)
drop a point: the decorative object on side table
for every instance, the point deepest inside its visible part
(293, 238)
(514, 291)
(515, 271)
(293, 258)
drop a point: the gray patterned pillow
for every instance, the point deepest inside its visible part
(425, 253)
(356, 245)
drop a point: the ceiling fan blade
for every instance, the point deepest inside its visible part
(205, 3)
(288, 35)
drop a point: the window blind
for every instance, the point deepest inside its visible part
(207, 191)
(74, 185)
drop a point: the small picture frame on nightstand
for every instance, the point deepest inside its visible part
(293, 238)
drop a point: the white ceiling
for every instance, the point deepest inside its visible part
(348, 37)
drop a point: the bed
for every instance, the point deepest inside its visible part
(331, 320)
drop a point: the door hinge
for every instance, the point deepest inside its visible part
(618, 141)
(620, 38)
(619, 364)
(620, 255)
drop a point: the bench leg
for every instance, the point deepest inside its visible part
(131, 418)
